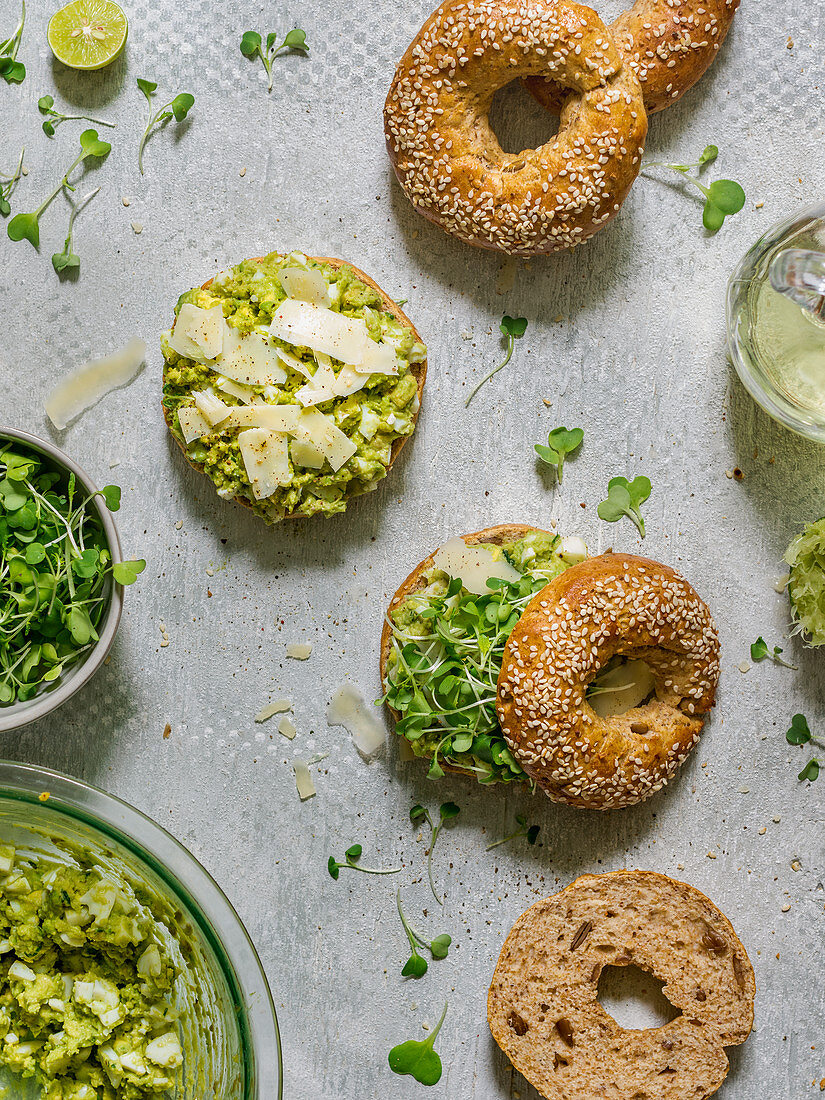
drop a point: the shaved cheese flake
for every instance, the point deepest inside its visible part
(313, 427)
(305, 325)
(349, 381)
(321, 387)
(198, 333)
(349, 709)
(299, 650)
(235, 389)
(304, 454)
(211, 407)
(276, 418)
(250, 359)
(303, 780)
(193, 424)
(573, 549)
(308, 285)
(85, 386)
(379, 359)
(621, 688)
(287, 729)
(279, 706)
(473, 565)
(294, 363)
(266, 460)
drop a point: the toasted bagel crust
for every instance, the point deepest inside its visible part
(543, 1006)
(450, 163)
(614, 604)
(496, 536)
(669, 45)
(418, 370)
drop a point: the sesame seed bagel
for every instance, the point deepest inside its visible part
(607, 606)
(543, 1006)
(449, 161)
(418, 370)
(669, 44)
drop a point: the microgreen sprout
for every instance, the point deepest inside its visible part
(177, 108)
(28, 225)
(623, 499)
(12, 70)
(351, 857)
(760, 650)
(512, 329)
(55, 572)
(529, 832)
(560, 443)
(417, 1058)
(722, 197)
(800, 734)
(53, 119)
(68, 260)
(448, 811)
(416, 964)
(252, 45)
(8, 184)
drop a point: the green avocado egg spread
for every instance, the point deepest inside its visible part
(289, 382)
(85, 985)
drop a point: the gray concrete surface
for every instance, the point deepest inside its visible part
(626, 338)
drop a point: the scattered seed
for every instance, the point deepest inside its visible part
(178, 525)
(125, 201)
(743, 666)
(137, 227)
(786, 908)
(763, 830)
(242, 172)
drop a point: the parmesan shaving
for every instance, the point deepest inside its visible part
(85, 386)
(279, 706)
(287, 729)
(299, 650)
(277, 418)
(304, 454)
(198, 333)
(307, 284)
(573, 549)
(266, 460)
(473, 566)
(303, 780)
(349, 381)
(294, 363)
(250, 359)
(313, 427)
(348, 708)
(211, 408)
(236, 389)
(193, 424)
(305, 325)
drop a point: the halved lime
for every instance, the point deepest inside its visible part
(806, 584)
(88, 34)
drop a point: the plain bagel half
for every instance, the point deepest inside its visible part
(418, 370)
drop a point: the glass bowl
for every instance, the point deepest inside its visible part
(804, 229)
(230, 1039)
(17, 714)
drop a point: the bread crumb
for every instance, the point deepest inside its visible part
(758, 205)
(711, 855)
(242, 172)
(167, 732)
(786, 908)
(763, 830)
(776, 820)
(790, 43)
(796, 865)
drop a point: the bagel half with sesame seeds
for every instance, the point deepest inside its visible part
(543, 1006)
(450, 163)
(669, 45)
(614, 605)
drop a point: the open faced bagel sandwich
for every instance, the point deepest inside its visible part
(450, 163)
(509, 655)
(543, 1006)
(668, 44)
(292, 382)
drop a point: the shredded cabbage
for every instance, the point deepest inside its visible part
(806, 584)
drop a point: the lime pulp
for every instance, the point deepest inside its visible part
(88, 34)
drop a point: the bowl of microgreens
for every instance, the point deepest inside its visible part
(61, 577)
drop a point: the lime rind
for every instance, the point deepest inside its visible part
(806, 583)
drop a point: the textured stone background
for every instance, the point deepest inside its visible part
(626, 338)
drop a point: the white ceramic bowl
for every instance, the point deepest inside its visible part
(17, 714)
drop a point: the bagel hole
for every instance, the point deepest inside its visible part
(622, 684)
(518, 121)
(634, 998)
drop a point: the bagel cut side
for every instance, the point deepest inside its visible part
(543, 1006)
(418, 370)
(450, 163)
(608, 606)
(669, 45)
